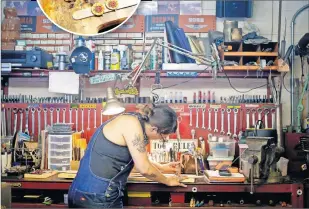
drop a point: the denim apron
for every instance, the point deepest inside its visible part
(91, 191)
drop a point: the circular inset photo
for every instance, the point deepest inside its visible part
(88, 17)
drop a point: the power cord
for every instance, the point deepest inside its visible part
(230, 83)
(242, 92)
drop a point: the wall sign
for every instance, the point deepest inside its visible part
(135, 24)
(181, 74)
(102, 78)
(168, 7)
(44, 25)
(27, 24)
(130, 91)
(156, 23)
(197, 23)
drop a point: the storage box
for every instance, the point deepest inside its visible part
(220, 152)
(222, 143)
(59, 152)
(213, 162)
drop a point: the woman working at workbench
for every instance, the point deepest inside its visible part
(117, 146)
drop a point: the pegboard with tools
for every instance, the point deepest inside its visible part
(196, 120)
(36, 117)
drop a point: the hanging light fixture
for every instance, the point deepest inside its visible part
(113, 106)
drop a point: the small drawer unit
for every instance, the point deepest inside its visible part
(59, 152)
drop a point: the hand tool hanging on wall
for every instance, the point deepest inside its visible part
(235, 123)
(32, 120)
(228, 122)
(247, 118)
(51, 110)
(58, 115)
(209, 119)
(196, 122)
(45, 118)
(222, 122)
(253, 111)
(259, 114)
(190, 112)
(203, 118)
(266, 112)
(82, 119)
(193, 133)
(101, 116)
(88, 120)
(273, 119)
(21, 117)
(216, 120)
(76, 118)
(39, 122)
(27, 121)
(63, 114)
(9, 123)
(3, 126)
(70, 115)
(95, 118)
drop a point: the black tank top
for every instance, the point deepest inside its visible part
(108, 158)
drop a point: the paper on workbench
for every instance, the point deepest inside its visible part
(63, 82)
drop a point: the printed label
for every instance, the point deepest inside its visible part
(215, 106)
(197, 105)
(89, 106)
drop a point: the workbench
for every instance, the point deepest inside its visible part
(179, 195)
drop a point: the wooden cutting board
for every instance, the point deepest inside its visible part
(61, 12)
(45, 175)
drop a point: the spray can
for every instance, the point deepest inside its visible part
(101, 61)
(123, 60)
(129, 53)
(115, 60)
(153, 59)
(107, 58)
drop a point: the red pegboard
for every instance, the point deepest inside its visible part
(181, 109)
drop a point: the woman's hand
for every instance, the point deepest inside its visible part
(176, 181)
(172, 167)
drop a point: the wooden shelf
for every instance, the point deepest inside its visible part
(231, 71)
(251, 54)
(244, 67)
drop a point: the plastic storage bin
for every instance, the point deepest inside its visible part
(282, 165)
(223, 143)
(220, 152)
(213, 162)
(59, 152)
(65, 160)
(59, 167)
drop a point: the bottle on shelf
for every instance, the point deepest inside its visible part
(107, 57)
(115, 60)
(180, 98)
(171, 97)
(101, 61)
(176, 97)
(199, 97)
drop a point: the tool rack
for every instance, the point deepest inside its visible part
(244, 112)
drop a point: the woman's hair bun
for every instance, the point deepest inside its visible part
(147, 111)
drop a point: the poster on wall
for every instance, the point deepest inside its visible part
(156, 23)
(33, 9)
(44, 25)
(197, 23)
(147, 8)
(134, 24)
(190, 7)
(21, 6)
(27, 23)
(168, 7)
